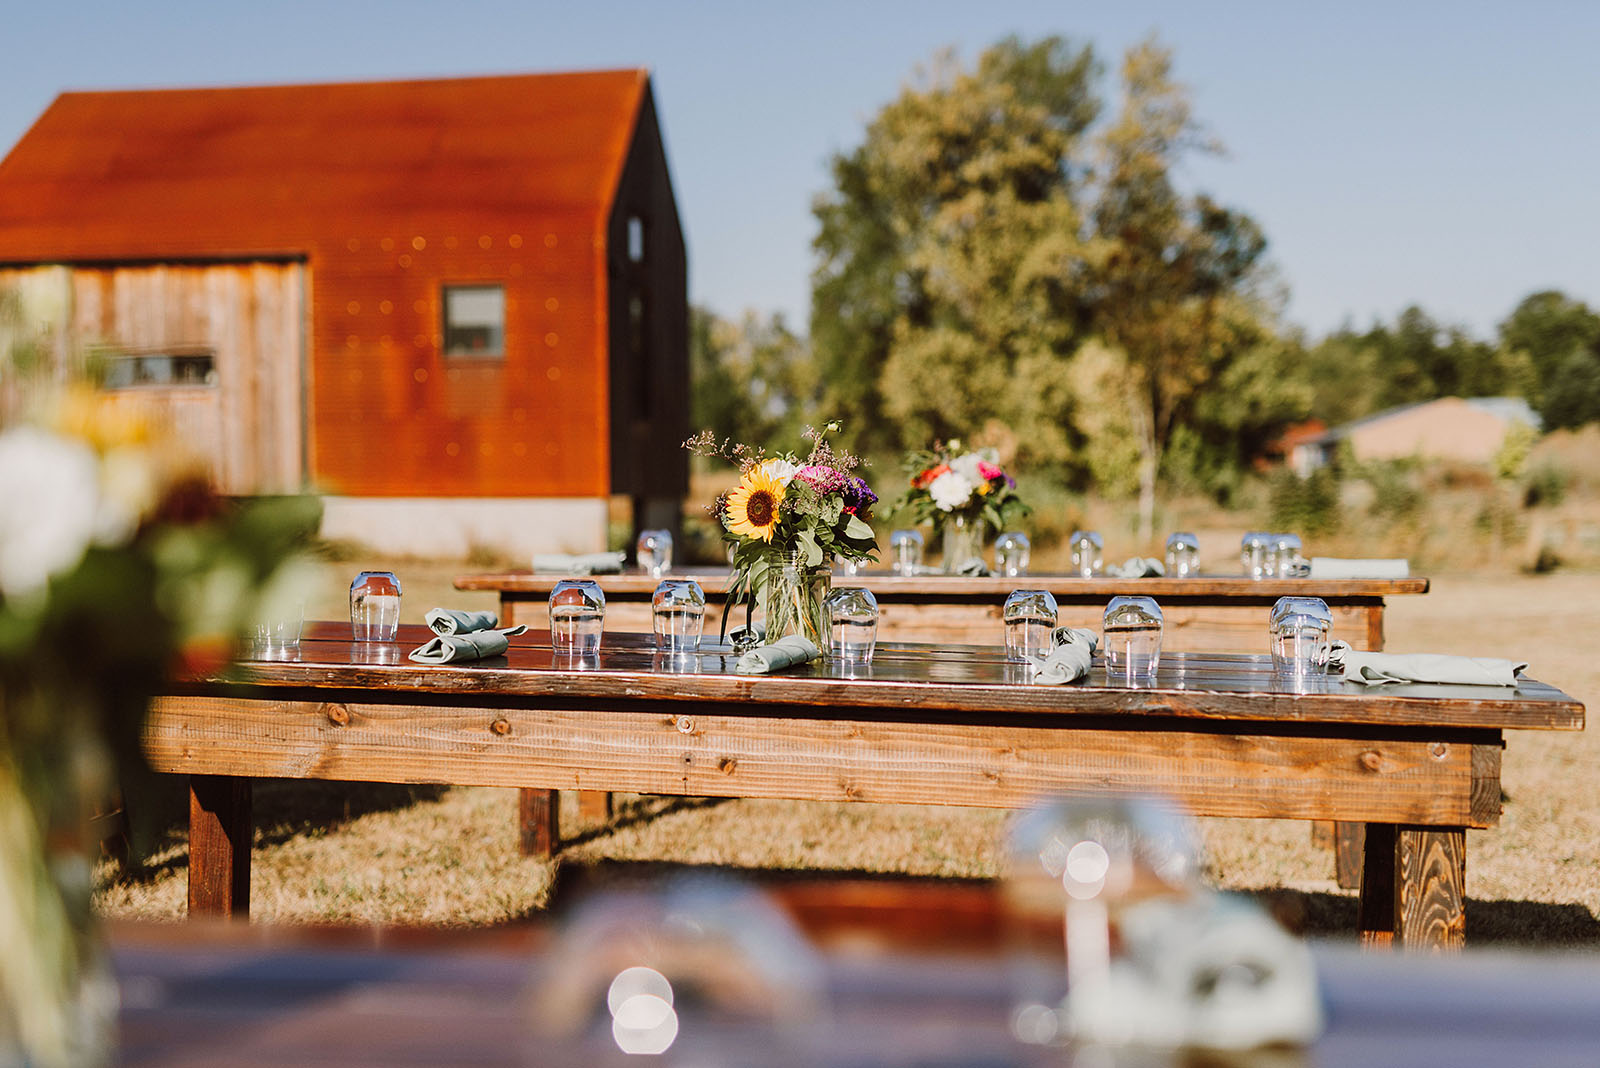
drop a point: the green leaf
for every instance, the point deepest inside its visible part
(858, 529)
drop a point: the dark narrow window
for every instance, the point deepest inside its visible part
(134, 370)
(474, 320)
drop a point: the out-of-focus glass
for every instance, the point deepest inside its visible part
(1253, 554)
(654, 552)
(1299, 630)
(1283, 555)
(678, 609)
(577, 617)
(375, 606)
(905, 551)
(853, 615)
(1088, 553)
(1183, 555)
(1012, 551)
(1131, 637)
(848, 566)
(1030, 617)
(278, 629)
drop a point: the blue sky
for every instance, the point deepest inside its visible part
(1446, 154)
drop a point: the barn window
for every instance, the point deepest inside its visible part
(141, 369)
(474, 320)
(636, 239)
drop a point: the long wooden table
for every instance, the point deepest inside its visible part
(921, 724)
(1211, 613)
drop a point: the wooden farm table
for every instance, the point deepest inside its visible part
(923, 725)
(1213, 613)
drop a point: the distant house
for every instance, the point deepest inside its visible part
(458, 307)
(1462, 430)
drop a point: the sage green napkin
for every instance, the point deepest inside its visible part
(1137, 567)
(974, 567)
(787, 651)
(1375, 669)
(473, 645)
(1334, 567)
(455, 621)
(579, 564)
(1069, 660)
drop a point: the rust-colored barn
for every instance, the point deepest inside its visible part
(455, 305)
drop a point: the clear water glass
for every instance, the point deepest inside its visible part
(678, 609)
(278, 629)
(1030, 617)
(375, 606)
(1299, 631)
(1183, 555)
(853, 617)
(654, 552)
(1088, 553)
(577, 616)
(1011, 553)
(1253, 554)
(1283, 553)
(1131, 637)
(845, 565)
(905, 551)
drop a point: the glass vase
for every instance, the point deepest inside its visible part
(963, 542)
(794, 597)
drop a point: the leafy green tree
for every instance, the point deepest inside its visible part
(753, 380)
(942, 298)
(1167, 274)
(1561, 340)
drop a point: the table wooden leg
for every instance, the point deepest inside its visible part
(220, 831)
(539, 822)
(594, 806)
(1413, 887)
(1349, 848)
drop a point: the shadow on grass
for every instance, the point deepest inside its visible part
(281, 809)
(641, 810)
(1489, 923)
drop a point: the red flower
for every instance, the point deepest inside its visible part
(926, 477)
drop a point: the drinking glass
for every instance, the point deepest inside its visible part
(1299, 629)
(375, 606)
(1253, 554)
(654, 552)
(577, 616)
(1030, 616)
(846, 565)
(1088, 553)
(1011, 552)
(1131, 637)
(905, 551)
(853, 615)
(278, 629)
(1283, 553)
(1183, 555)
(678, 608)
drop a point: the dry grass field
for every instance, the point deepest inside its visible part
(330, 852)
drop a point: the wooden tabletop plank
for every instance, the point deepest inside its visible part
(884, 583)
(964, 680)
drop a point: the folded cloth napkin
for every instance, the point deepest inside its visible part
(473, 645)
(580, 564)
(1137, 567)
(1373, 669)
(787, 651)
(747, 634)
(455, 621)
(974, 567)
(1334, 567)
(1068, 660)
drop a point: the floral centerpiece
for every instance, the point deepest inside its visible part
(786, 521)
(119, 565)
(964, 494)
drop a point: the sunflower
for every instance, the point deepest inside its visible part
(752, 509)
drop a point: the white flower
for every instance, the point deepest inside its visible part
(951, 490)
(967, 467)
(780, 469)
(51, 489)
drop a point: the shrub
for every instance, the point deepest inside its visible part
(1546, 485)
(1309, 505)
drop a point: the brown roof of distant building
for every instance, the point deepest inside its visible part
(279, 169)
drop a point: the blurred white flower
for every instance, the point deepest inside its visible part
(51, 489)
(967, 467)
(952, 489)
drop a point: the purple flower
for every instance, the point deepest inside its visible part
(858, 496)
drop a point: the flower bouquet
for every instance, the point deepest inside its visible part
(964, 494)
(118, 565)
(786, 521)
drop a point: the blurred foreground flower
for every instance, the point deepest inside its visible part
(118, 564)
